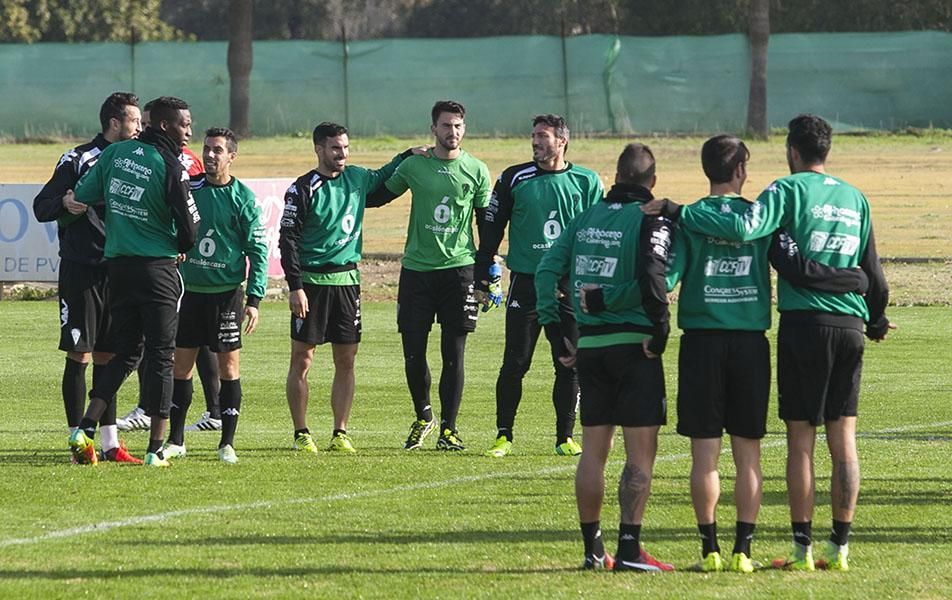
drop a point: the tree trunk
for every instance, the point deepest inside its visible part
(758, 36)
(239, 65)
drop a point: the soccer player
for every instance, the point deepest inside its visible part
(536, 200)
(84, 317)
(724, 360)
(436, 278)
(212, 309)
(321, 238)
(150, 220)
(820, 339)
(621, 338)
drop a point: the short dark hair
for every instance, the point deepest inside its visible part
(636, 164)
(231, 140)
(165, 108)
(557, 123)
(114, 107)
(811, 136)
(148, 105)
(447, 106)
(720, 156)
(327, 130)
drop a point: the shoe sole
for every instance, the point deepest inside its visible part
(622, 565)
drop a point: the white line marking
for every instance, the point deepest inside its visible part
(159, 517)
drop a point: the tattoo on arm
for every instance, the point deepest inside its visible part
(633, 490)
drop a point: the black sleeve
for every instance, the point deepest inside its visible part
(380, 197)
(655, 244)
(785, 257)
(179, 198)
(297, 202)
(492, 226)
(877, 296)
(48, 204)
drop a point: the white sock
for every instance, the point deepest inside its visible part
(108, 437)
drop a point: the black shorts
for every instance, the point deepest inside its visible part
(83, 311)
(333, 315)
(212, 320)
(621, 386)
(723, 384)
(818, 372)
(446, 294)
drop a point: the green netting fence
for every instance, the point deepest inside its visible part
(602, 83)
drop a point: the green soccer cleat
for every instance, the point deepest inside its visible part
(418, 432)
(450, 440)
(568, 448)
(305, 443)
(801, 559)
(83, 449)
(227, 455)
(831, 557)
(152, 460)
(741, 563)
(711, 563)
(341, 442)
(173, 450)
(502, 447)
(598, 563)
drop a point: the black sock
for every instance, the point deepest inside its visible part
(504, 432)
(181, 400)
(89, 426)
(230, 400)
(841, 533)
(155, 447)
(74, 391)
(592, 539)
(802, 532)
(708, 533)
(337, 432)
(109, 415)
(207, 364)
(452, 349)
(743, 535)
(417, 372)
(629, 542)
(298, 432)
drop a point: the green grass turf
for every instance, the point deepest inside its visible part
(386, 523)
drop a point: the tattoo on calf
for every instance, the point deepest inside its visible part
(633, 490)
(847, 475)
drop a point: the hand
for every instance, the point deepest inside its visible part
(644, 346)
(653, 207)
(180, 258)
(482, 297)
(583, 295)
(251, 319)
(421, 150)
(885, 333)
(298, 301)
(568, 361)
(71, 205)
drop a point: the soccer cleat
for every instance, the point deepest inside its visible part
(83, 449)
(305, 443)
(226, 454)
(568, 448)
(152, 460)
(173, 450)
(120, 455)
(341, 442)
(450, 440)
(741, 563)
(832, 557)
(598, 563)
(711, 563)
(645, 563)
(502, 447)
(206, 423)
(801, 559)
(136, 420)
(418, 432)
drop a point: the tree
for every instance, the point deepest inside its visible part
(87, 21)
(758, 36)
(240, 58)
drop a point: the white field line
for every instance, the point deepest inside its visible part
(266, 504)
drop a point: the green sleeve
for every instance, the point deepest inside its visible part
(765, 215)
(554, 265)
(256, 249)
(678, 258)
(90, 190)
(378, 176)
(397, 182)
(481, 197)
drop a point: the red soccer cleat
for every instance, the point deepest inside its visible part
(121, 455)
(645, 563)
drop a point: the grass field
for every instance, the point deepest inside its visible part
(390, 524)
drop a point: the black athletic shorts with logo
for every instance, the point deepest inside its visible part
(621, 386)
(818, 371)
(723, 383)
(446, 294)
(212, 320)
(333, 315)
(83, 311)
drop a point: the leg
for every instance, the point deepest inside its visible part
(590, 475)
(641, 446)
(748, 489)
(230, 395)
(844, 486)
(183, 365)
(208, 373)
(706, 489)
(565, 390)
(522, 332)
(417, 371)
(452, 349)
(296, 388)
(801, 439)
(342, 390)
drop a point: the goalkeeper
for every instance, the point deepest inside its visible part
(536, 200)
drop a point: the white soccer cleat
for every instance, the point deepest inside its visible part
(227, 455)
(136, 420)
(173, 451)
(206, 423)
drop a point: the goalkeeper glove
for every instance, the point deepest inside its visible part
(495, 287)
